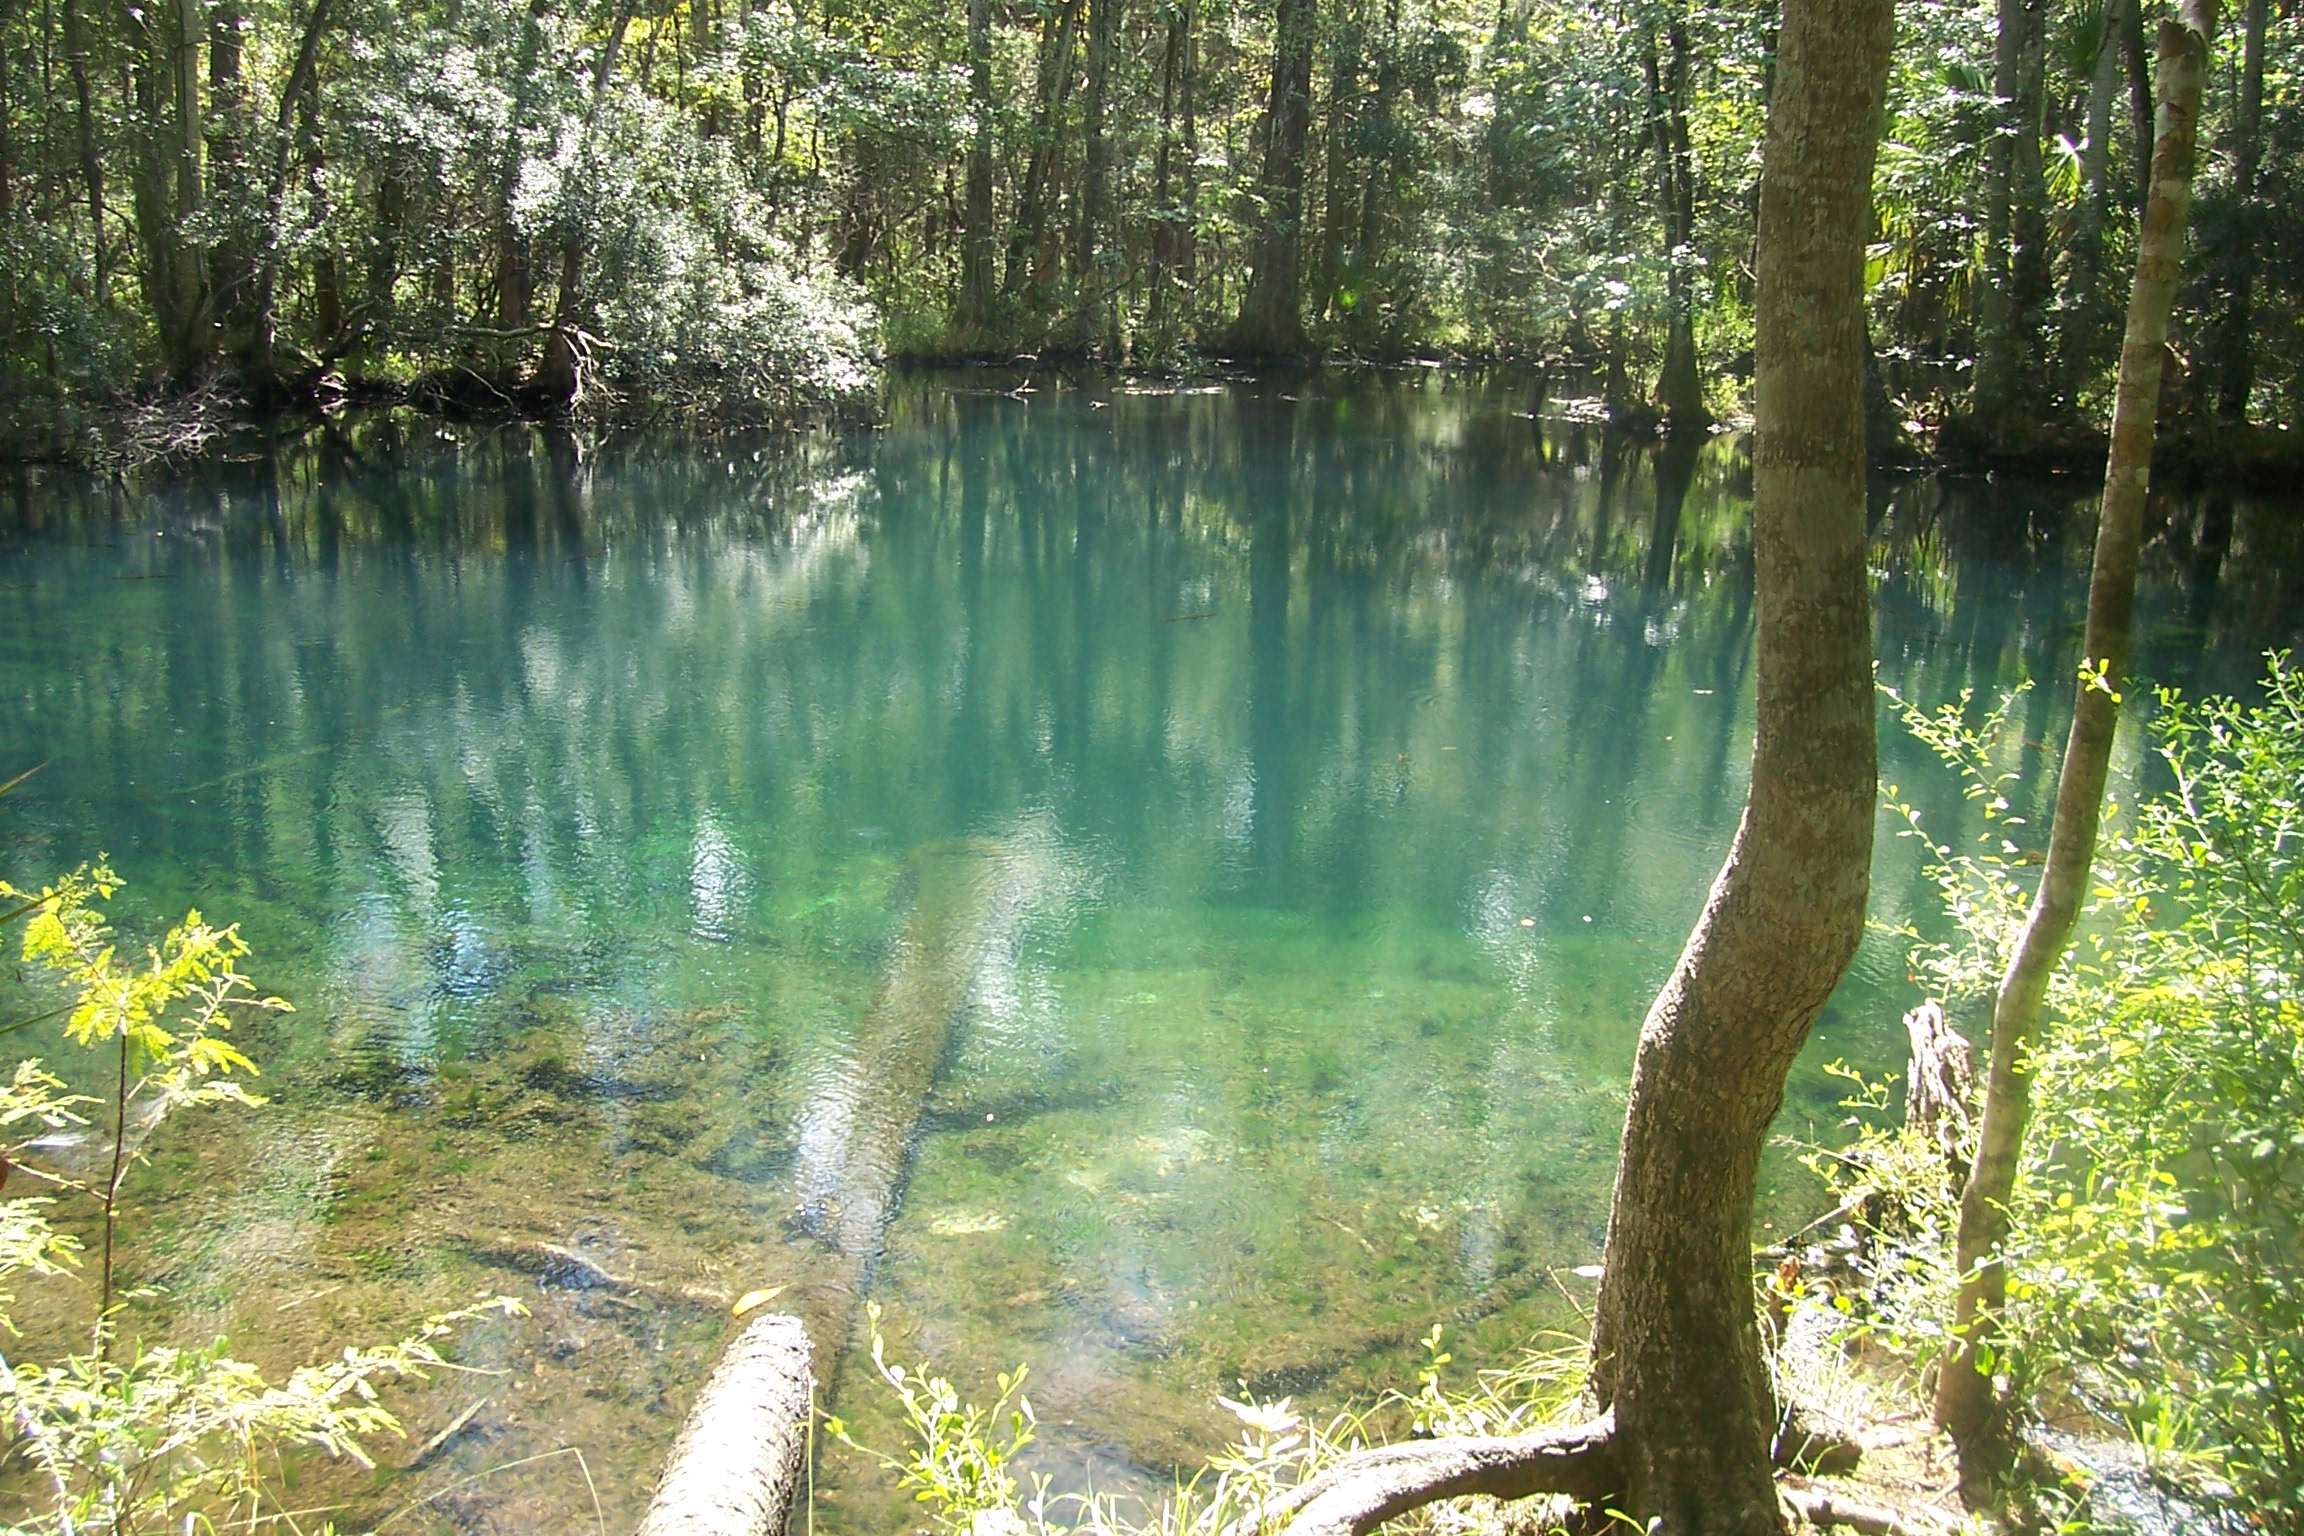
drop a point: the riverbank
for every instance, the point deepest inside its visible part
(166, 431)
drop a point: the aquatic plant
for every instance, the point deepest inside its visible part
(132, 1437)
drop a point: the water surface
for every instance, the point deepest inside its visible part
(1342, 765)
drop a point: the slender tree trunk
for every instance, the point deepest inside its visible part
(1339, 207)
(1089, 327)
(1375, 208)
(976, 228)
(1967, 1404)
(2140, 108)
(258, 353)
(1030, 232)
(2236, 360)
(1166, 217)
(190, 269)
(1271, 320)
(2084, 297)
(91, 163)
(2012, 197)
(1675, 1350)
(556, 373)
(1681, 389)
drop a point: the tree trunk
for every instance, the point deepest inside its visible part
(1680, 390)
(556, 374)
(1338, 205)
(2013, 218)
(1966, 1403)
(976, 226)
(2084, 298)
(91, 163)
(189, 269)
(2236, 361)
(1089, 328)
(1167, 218)
(1675, 1350)
(1681, 1447)
(257, 351)
(2140, 109)
(1030, 232)
(1271, 320)
(1375, 209)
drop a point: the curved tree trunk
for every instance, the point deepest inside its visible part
(1684, 1440)
(1966, 1403)
(1675, 1351)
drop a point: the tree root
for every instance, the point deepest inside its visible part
(1824, 1510)
(1361, 1491)
(1367, 1488)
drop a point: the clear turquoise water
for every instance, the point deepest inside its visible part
(1355, 754)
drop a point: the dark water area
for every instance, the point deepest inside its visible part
(1339, 767)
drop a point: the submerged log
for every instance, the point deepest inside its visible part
(741, 1457)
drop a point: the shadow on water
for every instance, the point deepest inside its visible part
(1157, 884)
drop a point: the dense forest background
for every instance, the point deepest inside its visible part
(739, 206)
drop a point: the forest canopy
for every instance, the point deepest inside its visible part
(740, 206)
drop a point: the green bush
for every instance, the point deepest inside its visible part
(2157, 1257)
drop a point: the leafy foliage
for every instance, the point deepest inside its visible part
(2158, 1230)
(131, 1438)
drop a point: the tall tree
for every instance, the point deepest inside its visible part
(1094, 324)
(2015, 217)
(1683, 1448)
(976, 212)
(1966, 1403)
(1680, 390)
(2235, 334)
(1271, 320)
(556, 374)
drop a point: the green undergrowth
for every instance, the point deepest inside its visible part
(966, 1470)
(2156, 1259)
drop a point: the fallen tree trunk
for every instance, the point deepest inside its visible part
(740, 1459)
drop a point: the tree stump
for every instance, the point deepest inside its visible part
(1940, 1085)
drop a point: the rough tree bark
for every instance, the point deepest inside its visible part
(1967, 1404)
(1676, 1353)
(1271, 320)
(1683, 1442)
